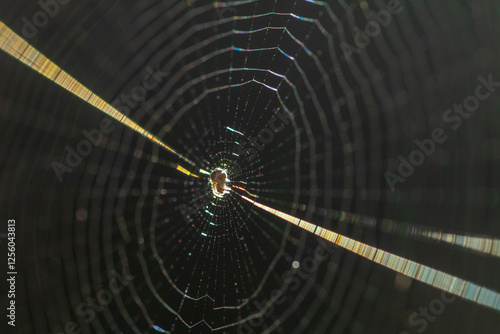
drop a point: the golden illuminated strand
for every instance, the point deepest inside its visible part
(482, 244)
(419, 272)
(14, 45)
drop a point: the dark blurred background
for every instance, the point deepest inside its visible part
(121, 209)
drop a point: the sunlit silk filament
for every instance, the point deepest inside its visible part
(249, 193)
(18, 48)
(438, 279)
(482, 244)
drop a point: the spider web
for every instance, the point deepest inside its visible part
(265, 91)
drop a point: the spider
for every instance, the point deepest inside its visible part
(218, 180)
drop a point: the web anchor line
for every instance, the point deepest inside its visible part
(438, 279)
(18, 48)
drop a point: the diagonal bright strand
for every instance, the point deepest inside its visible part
(485, 245)
(14, 45)
(482, 244)
(419, 272)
